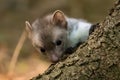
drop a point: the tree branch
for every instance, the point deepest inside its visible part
(97, 59)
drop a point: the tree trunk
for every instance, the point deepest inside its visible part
(97, 59)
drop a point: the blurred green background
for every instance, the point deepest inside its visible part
(14, 13)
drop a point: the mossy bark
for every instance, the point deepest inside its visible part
(97, 59)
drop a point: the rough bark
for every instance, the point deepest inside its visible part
(97, 59)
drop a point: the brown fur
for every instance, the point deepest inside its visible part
(46, 31)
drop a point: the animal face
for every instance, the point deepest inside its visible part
(49, 35)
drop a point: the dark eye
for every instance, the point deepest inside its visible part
(42, 49)
(58, 42)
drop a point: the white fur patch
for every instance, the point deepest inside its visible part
(36, 39)
(78, 31)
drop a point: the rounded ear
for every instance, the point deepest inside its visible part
(28, 28)
(59, 19)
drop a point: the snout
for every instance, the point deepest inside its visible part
(54, 57)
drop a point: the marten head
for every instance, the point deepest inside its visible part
(49, 35)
